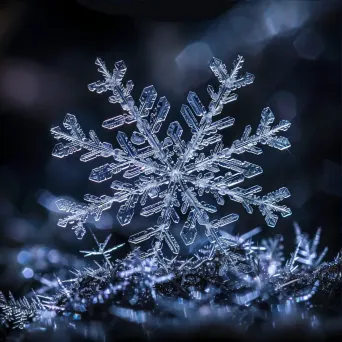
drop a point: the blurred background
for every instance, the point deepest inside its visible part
(47, 55)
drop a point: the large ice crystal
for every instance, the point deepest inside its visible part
(168, 176)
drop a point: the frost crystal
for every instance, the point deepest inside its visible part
(171, 172)
(148, 289)
(20, 312)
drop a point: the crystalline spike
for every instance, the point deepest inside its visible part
(249, 170)
(189, 118)
(144, 235)
(175, 132)
(220, 124)
(236, 66)
(125, 144)
(147, 98)
(225, 220)
(189, 231)
(126, 211)
(219, 69)
(196, 104)
(152, 209)
(171, 242)
(174, 216)
(159, 114)
(117, 121)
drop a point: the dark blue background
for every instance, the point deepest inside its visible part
(47, 55)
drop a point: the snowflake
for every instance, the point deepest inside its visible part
(172, 172)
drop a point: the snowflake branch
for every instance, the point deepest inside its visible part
(264, 135)
(164, 220)
(77, 141)
(229, 82)
(121, 95)
(266, 204)
(97, 205)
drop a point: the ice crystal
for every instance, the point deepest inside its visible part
(19, 313)
(147, 288)
(174, 174)
(101, 248)
(307, 253)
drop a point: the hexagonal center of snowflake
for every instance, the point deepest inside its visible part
(175, 174)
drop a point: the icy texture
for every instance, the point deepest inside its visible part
(307, 252)
(149, 289)
(20, 312)
(168, 176)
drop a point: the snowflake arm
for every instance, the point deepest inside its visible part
(198, 213)
(168, 213)
(222, 158)
(229, 82)
(264, 135)
(77, 140)
(79, 213)
(121, 95)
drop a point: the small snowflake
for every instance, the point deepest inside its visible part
(171, 172)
